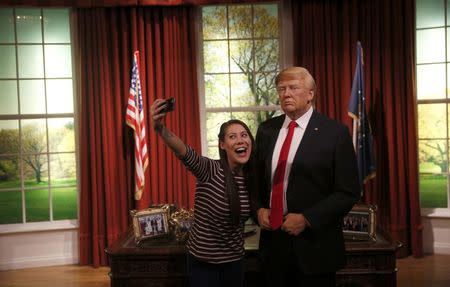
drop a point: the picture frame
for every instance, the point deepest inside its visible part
(182, 220)
(360, 223)
(150, 223)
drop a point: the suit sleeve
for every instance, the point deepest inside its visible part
(257, 179)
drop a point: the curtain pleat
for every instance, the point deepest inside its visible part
(106, 38)
(325, 36)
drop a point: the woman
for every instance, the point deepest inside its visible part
(222, 202)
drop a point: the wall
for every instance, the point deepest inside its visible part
(36, 249)
(436, 235)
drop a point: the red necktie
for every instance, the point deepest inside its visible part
(276, 208)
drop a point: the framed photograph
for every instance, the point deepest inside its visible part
(360, 223)
(182, 220)
(150, 223)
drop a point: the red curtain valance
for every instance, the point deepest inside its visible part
(116, 3)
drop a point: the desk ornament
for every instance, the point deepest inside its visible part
(181, 221)
(360, 223)
(150, 223)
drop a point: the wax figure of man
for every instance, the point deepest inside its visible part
(305, 181)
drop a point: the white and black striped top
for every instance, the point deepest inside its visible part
(213, 238)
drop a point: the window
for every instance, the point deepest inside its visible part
(38, 180)
(433, 80)
(240, 59)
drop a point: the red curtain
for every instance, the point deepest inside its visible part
(106, 39)
(325, 36)
(116, 3)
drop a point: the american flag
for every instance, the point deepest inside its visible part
(135, 119)
(362, 133)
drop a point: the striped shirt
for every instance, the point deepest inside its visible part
(213, 238)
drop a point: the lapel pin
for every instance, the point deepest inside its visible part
(316, 129)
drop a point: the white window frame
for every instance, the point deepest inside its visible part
(285, 57)
(436, 212)
(51, 224)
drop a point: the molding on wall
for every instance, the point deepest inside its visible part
(436, 235)
(441, 248)
(39, 261)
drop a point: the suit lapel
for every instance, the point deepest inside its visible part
(272, 139)
(311, 130)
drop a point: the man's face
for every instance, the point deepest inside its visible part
(295, 97)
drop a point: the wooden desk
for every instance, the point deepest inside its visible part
(162, 262)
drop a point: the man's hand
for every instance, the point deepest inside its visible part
(294, 223)
(263, 218)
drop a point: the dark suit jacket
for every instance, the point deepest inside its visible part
(323, 186)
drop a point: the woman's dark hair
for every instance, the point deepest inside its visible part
(230, 183)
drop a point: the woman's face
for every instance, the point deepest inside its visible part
(238, 146)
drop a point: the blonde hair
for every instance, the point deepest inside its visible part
(296, 73)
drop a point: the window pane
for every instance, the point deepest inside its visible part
(28, 23)
(34, 145)
(58, 62)
(431, 82)
(266, 55)
(433, 191)
(9, 137)
(250, 118)
(240, 21)
(10, 207)
(432, 121)
(64, 201)
(217, 91)
(448, 118)
(448, 12)
(63, 169)
(9, 170)
(61, 135)
(214, 21)
(213, 152)
(266, 21)
(31, 63)
(35, 171)
(36, 202)
(32, 97)
(214, 55)
(213, 123)
(8, 61)
(266, 93)
(8, 98)
(241, 56)
(429, 13)
(431, 46)
(56, 26)
(433, 156)
(6, 25)
(241, 94)
(59, 96)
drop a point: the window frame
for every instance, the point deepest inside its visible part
(285, 59)
(436, 212)
(51, 224)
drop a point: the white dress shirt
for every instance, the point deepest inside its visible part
(299, 131)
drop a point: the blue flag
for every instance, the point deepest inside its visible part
(362, 133)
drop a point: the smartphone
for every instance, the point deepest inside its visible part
(170, 105)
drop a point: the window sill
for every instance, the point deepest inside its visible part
(38, 226)
(436, 212)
